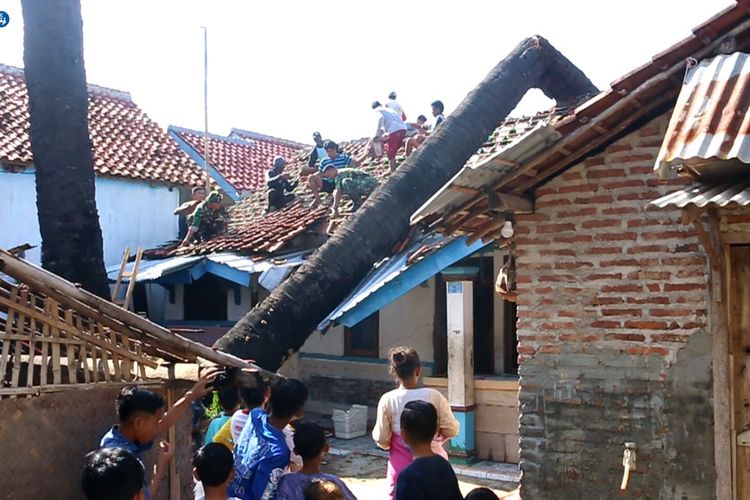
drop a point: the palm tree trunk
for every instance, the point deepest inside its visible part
(280, 325)
(58, 104)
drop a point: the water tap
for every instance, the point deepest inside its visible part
(628, 464)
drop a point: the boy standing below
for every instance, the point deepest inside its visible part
(213, 467)
(309, 443)
(142, 420)
(429, 476)
(112, 474)
(261, 453)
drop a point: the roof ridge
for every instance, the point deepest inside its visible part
(91, 87)
(218, 137)
(265, 137)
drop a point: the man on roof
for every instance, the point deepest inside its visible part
(279, 189)
(209, 219)
(437, 111)
(319, 182)
(395, 106)
(186, 209)
(318, 153)
(416, 133)
(390, 123)
(355, 184)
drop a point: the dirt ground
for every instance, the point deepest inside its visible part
(365, 476)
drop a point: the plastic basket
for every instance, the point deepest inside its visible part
(349, 424)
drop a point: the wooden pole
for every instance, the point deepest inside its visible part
(205, 107)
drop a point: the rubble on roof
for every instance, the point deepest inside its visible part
(126, 142)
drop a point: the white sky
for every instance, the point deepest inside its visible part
(288, 68)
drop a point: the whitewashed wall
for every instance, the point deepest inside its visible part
(131, 213)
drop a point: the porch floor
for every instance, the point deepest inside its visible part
(493, 471)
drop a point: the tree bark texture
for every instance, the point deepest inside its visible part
(72, 244)
(279, 326)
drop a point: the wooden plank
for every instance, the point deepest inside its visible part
(25, 338)
(115, 357)
(131, 281)
(17, 344)
(45, 346)
(141, 366)
(105, 353)
(5, 353)
(32, 352)
(118, 282)
(508, 399)
(56, 370)
(83, 352)
(76, 331)
(35, 391)
(127, 364)
(71, 358)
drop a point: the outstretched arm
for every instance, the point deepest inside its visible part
(336, 201)
(181, 406)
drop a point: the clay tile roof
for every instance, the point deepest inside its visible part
(243, 158)
(263, 236)
(126, 142)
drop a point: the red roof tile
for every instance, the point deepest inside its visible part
(126, 142)
(241, 159)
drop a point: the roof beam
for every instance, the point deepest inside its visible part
(506, 202)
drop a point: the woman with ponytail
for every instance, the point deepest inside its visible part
(406, 368)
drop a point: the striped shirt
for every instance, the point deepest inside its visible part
(341, 161)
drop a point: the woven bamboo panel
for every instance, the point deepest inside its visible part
(44, 345)
(43, 441)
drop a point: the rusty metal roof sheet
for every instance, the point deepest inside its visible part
(710, 119)
(703, 194)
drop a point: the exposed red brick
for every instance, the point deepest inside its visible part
(618, 147)
(577, 188)
(565, 252)
(650, 131)
(674, 313)
(621, 312)
(618, 263)
(572, 265)
(683, 261)
(641, 170)
(649, 299)
(571, 176)
(630, 287)
(554, 228)
(737, 218)
(544, 191)
(617, 236)
(647, 351)
(608, 173)
(669, 337)
(606, 324)
(593, 161)
(593, 200)
(649, 223)
(630, 337)
(557, 278)
(604, 276)
(550, 349)
(653, 287)
(632, 158)
(646, 325)
(601, 223)
(579, 337)
(579, 238)
(565, 214)
(620, 211)
(663, 235)
(629, 183)
(683, 287)
(604, 250)
(638, 195)
(648, 249)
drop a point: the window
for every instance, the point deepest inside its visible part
(363, 339)
(206, 299)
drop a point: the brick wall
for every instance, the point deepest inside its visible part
(612, 315)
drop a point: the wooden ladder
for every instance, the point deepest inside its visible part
(131, 275)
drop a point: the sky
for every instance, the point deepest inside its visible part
(288, 68)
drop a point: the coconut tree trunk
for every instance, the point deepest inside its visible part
(279, 326)
(58, 105)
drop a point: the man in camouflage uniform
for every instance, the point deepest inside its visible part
(354, 183)
(209, 220)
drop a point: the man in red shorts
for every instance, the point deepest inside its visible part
(390, 123)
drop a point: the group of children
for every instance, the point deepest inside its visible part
(253, 452)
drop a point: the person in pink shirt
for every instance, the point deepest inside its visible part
(406, 368)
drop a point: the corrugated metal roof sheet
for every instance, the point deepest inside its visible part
(710, 119)
(701, 195)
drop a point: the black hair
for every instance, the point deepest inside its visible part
(132, 400)
(376, 104)
(288, 397)
(228, 398)
(419, 420)
(438, 105)
(330, 145)
(482, 494)
(309, 440)
(198, 188)
(404, 361)
(422, 118)
(112, 474)
(323, 489)
(213, 464)
(253, 397)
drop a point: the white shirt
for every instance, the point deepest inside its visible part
(395, 106)
(390, 121)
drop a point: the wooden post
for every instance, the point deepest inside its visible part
(174, 477)
(460, 321)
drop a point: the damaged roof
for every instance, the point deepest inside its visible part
(126, 142)
(242, 159)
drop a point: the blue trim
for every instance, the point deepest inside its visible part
(198, 159)
(241, 278)
(355, 359)
(465, 441)
(410, 278)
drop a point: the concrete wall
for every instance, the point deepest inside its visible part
(176, 311)
(613, 342)
(131, 213)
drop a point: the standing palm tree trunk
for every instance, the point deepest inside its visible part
(58, 105)
(280, 325)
